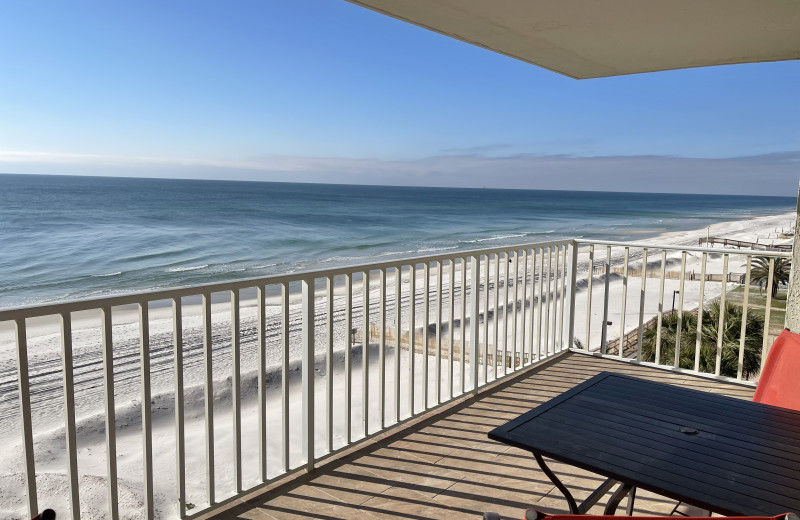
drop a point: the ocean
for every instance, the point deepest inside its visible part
(65, 237)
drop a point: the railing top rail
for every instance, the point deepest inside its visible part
(648, 245)
(35, 311)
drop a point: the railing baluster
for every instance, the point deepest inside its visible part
(506, 261)
(531, 314)
(721, 324)
(329, 363)
(348, 362)
(474, 322)
(547, 303)
(540, 306)
(398, 280)
(745, 304)
(69, 413)
(699, 337)
(642, 295)
(680, 312)
(110, 413)
(554, 299)
(524, 315)
(412, 316)
(660, 306)
(208, 391)
(450, 335)
(381, 350)
(180, 438)
(515, 296)
(285, 376)
(563, 298)
(496, 327)
(605, 301)
(426, 276)
(438, 363)
(589, 297)
(147, 423)
(621, 344)
(307, 373)
(768, 308)
(262, 386)
(236, 391)
(365, 353)
(462, 350)
(25, 416)
(486, 319)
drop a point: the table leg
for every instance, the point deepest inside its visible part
(616, 498)
(573, 506)
(631, 500)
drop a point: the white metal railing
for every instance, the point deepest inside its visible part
(388, 340)
(440, 326)
(720, 272)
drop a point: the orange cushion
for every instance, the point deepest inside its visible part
(779, 384)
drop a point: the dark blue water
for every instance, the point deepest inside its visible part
(73, 237)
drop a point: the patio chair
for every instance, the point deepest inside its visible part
(532, 514)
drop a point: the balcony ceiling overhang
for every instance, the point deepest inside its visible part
(598, 38)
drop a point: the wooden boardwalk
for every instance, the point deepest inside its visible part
(443, 466)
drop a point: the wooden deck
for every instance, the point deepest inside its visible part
(443, 466)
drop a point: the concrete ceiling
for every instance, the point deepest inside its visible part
(597, 38)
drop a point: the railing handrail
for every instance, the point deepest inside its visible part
(50, 309)
(696, 249)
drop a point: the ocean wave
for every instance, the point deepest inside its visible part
(182, 269)
(496, 237)
(262, 266)
(433, 249)
(385, 254)
(106, 275)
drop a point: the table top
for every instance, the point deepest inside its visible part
(727, 455)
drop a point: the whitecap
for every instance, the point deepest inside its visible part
(499, 237)
(432, 249)
(191, 268)
(106, 275)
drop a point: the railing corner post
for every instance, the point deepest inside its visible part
(573, 277)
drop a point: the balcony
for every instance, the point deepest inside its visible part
(360, 391)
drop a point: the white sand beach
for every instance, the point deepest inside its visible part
(47, 392)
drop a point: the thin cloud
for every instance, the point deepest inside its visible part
(766, 174)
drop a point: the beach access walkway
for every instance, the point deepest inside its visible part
(739, 244)
(442, 465)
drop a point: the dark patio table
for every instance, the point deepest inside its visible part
(726, 455)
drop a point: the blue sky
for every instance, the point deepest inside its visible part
(325, 91)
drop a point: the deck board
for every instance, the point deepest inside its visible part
(444, 466)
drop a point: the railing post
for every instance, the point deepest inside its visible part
(792, 321)
(180, 438)
(573, 271)
(147, 418)
(307, 372)
(474, 321)
(110, 411)
(25, 416)
(208, 396)
(68, 384)
(605, 302)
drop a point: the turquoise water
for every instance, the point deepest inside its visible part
(74, 237)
